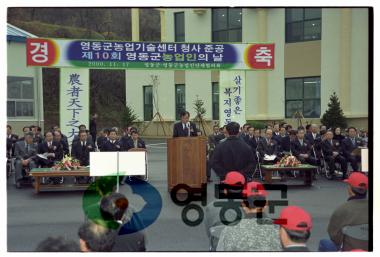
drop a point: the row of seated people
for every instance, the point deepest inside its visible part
(308, 147)
(54, 147)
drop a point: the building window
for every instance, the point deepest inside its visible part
(226, 24)
(180, 103)
(179, 27)
(20, 102)
(303, 95)
(303, 24)
(215, 100)
(148, 103)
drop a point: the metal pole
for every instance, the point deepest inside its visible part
(117, 174)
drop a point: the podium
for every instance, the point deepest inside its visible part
(187, 161)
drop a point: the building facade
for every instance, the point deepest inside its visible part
(318, 51)
(24, 87)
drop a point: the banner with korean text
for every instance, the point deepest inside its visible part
(149, 55)
(232, 97)
(74, 101)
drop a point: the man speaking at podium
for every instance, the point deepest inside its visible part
(185, 128)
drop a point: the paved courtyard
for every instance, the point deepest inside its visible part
(32, 218)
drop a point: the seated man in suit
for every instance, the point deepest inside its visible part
(25, 153)
(349, 144)
(80, 150)
(52, 149)
(276, 133)
(185, 128)
(135, 141)
(221, 135)
(250, 139)
(25, 130)
(233, 154)
(57, 137)
(111, 145)
(83, 128)
(11, 140)
(332, 153)
(257, 136)
(64, 138)
(267, 145)
(301, 149)
(284, 141)
(102, 138)
(315, 139)
(244, 131)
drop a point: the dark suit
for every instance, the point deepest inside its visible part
(22, 153)
(76, 139)
(252, 143)
(265, 148)
(130, 144)
(304, 148)
(82, 153)
(38, 138)
(284, 143)
(218, 138)
(93, 130)
(233, 155)
(100, 141)
(11, 140)
(328, 148)
(180, 131)
(55, 148)
(276, 137)
(108, 146)
(316, 143)
(124, 142)
(347, 147)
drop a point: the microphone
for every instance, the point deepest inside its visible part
(188, 128)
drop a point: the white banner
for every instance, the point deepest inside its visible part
(232, 97)
(74, 101)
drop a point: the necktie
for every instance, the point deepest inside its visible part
(27, 148)
(353, 141)
(331, 142)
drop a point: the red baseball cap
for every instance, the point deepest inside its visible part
(234, 178)
(254, 189)
(295, 218)
(357, 179)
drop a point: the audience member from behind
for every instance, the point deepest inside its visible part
(213, 223)
(119, 215)
(255, 231)
(295, 230)
(96, 238)
(233, 154)
(353, 212)
(57, 244)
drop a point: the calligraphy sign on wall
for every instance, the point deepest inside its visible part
(232, 97)
(149, 55)
(74, 101)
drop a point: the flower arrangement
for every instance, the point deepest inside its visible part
(67, 163)
(288, 161)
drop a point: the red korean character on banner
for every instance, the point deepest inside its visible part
(40, 52)
(260, 56)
